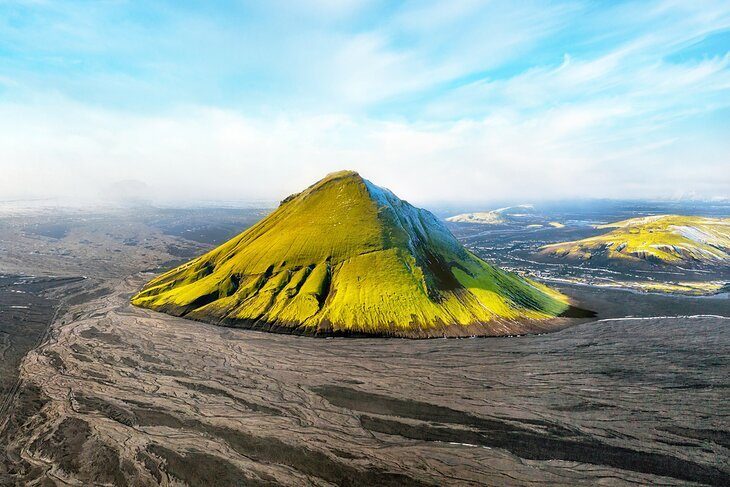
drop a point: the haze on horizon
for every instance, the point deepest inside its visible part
(459, 101)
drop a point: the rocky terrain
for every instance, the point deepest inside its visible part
(119, 395)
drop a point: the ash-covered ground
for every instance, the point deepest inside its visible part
(95, 391)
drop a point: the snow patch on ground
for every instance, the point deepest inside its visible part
(694, 234)
(486, 217)
(416, 221)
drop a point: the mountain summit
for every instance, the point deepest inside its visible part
(346, 257)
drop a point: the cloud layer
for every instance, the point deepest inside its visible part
(459, 101)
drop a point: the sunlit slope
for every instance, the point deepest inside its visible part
(669, 239)
(347, 257)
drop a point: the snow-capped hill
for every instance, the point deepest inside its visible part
(346, 257)
(669, 239)
(495, 217)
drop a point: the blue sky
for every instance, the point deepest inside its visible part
(464, 101)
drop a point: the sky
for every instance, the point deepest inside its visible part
(459, 101)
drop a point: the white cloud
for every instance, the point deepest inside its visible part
(439, 101)
(197, 153)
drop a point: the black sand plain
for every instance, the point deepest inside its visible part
(98, 392)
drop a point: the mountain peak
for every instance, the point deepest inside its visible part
(345, 173)
(339, 177)
(345, 256)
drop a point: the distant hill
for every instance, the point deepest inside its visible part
(348, 257)
(494, 217)
(669, 239)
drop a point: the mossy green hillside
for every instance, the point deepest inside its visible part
(345, 256)
(672, 239)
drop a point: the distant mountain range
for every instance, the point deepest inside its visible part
(667, 239)
(494, 217)
(346, 257)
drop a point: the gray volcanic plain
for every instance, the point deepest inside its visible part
(98, 392)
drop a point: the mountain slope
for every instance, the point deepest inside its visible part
(347, 257)
(671, 239)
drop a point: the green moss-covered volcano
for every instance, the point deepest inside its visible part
(348, 257)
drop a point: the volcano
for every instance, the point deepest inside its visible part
(346, 257)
